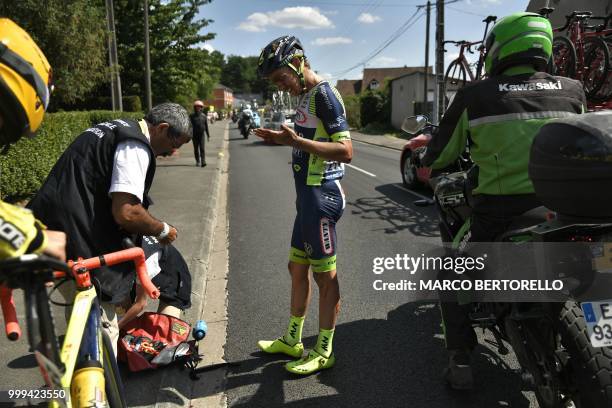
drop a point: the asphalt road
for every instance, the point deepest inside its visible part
(389, 353)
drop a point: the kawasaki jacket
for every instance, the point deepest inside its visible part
(498, 119)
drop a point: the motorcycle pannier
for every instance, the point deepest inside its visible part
(571, 165)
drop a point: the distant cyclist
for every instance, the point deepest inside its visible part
(25, 88)
(321, 144)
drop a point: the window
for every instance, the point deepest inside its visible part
(374, 84)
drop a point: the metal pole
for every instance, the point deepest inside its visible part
(148, 95)
(441, 91)
(113, 59)
(425, 110)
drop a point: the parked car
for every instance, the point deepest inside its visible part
(414, 174)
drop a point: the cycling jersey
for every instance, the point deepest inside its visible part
(319, 116)
(20, 232)
(499, 117)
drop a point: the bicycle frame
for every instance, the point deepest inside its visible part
(82, 351)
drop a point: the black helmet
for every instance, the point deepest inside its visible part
(279, 53)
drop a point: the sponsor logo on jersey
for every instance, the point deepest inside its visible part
(11, 234)
(300, 117)
(338, 122)
(533, 86)
(323, 91)
(326, 238)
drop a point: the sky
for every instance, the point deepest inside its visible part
(340, 35)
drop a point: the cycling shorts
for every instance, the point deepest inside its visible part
(313, 241)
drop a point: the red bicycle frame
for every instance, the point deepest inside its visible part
(80, 271)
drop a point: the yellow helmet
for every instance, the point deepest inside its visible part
(25, 83)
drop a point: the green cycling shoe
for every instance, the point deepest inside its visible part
(280, 346)
(310, 364)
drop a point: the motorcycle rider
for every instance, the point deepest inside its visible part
(498, 118)
(245, 119)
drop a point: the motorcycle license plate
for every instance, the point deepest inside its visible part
(598, 318)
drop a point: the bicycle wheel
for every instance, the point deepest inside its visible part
(596, 65)
(113, 385)
(564, 56)
(455, 74)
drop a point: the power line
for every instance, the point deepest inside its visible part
(393, 37)
(346, 27)
(466, 12)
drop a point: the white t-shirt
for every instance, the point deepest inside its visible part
(130, 166)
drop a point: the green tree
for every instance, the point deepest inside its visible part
(72, 34)
(180, 68)
(240, 74)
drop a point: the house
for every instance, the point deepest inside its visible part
(348, 87)
(373, 78)
(223, 97)
(407, 96)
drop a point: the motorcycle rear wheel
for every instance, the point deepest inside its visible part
(589, 368)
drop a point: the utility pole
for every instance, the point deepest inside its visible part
(425, 110)
(113, 60)
(440, 88)
(148, 95)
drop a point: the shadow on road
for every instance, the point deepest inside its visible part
(398, 363)
(395, 207)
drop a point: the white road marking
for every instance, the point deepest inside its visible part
(361, 170)
(411, 192)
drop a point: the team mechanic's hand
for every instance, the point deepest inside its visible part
(172, 235)
(56, 244)
(286, 136)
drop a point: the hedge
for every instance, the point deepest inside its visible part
(27, 163)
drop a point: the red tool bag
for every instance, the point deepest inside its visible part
(154, 339)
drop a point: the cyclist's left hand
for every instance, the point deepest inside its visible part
(286, 136)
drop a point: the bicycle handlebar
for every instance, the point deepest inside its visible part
(45, 263)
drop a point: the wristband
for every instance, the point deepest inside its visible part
(164, 232)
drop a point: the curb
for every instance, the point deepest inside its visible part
(376, 144)
(200, 270)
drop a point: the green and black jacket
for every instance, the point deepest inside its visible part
(498, 118)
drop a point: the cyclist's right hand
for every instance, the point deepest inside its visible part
(172, 235)
(56, 244)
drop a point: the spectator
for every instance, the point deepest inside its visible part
(200, 126)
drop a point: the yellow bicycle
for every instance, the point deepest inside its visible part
(83, 373)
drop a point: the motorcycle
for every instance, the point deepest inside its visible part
(246, 125)
(553, 342)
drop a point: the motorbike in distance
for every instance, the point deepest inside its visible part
(562, 347)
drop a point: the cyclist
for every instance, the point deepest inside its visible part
(25, 88)
(321, 143)
(499, 118)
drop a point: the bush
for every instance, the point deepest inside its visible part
(375, 107)
(132, 103)
(353, 111)
(27, 163)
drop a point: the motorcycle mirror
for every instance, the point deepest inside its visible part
(423, 202)
(413, 124)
